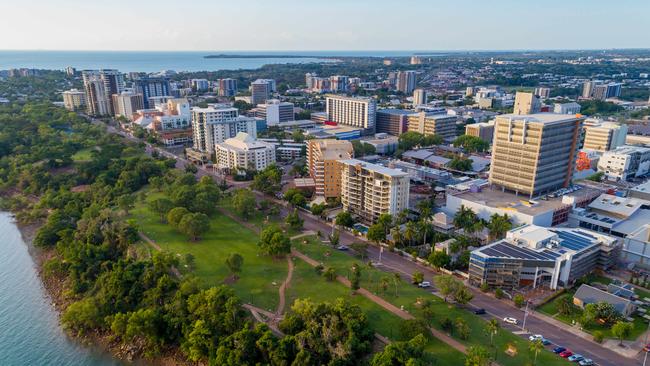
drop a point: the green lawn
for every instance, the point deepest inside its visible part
(407, 295)
(83, 155)
(306, 283)
(261, 276)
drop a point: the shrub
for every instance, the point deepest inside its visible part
(498, 293)
(485, 287)
(599, 336)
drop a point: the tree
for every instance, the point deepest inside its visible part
(360, 248)
(498, 293)
(536, 347)
(477, 356)
(273, 242)
(519, 300)
(157, 183)
(243, 201)
(194, 224)
(462, 295)
(175, 215)
(471, 143)
(492, 328)
(334, 238)
(344, 218)
(439, 259)
(189, 260)
(293, 220)
(417, 277)
(599, 336)
(410, 232)
(161, 206)
(409, 353)
(622, 330)
(234, 263)
(460, 163)
(411, 328)
(355, 277)
(191, 168)
(396, 281)
(317, 209)
(330, 274)
(384, 283)
(462, 329)
(564, 305)
(268, 180)
(465, 218)
(82, 315)
(126, 202)
(376, 233)
(499, 225)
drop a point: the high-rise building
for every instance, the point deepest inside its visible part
(625, 162)
(244, 152)
(339, 83)
(99, 87)
(227, 87)
(212, 126)
(482, 130)
(603, 136)
(406, 81)
(587, 88)
(392, 121)
(309, 80)
(598, 90)
(369, 190)
(260, 91)
(416, 60)
(322, 162)
(526, 103)
(275, 111)
(536, 153)
(200, 84)
(543, 92)
(419, 97)
(74, 99)
(127, 103)
(351, 111)
(433, 123)
(151, 87)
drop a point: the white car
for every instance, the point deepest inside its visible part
(424, 284)
(510, 320)
(536, 337)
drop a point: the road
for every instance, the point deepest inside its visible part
(392, 262)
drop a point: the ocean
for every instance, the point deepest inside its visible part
(154, 61)
(30, 333)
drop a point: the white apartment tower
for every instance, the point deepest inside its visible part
(212, 126)
(351, 111)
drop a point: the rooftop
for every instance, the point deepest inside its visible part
(375, 168)
(545, 118)
(395, 111)
(589, 295)
(244, 142)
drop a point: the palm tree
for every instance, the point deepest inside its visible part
(396, 279)
(492, 328)
(425, 212)
(410, 232)
(385, 281)
(396, 233)
(499, 225)
(536, 347)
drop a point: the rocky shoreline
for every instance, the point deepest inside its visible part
(55, 287)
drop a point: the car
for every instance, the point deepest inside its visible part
(535, 337)
(647, 347)
(559, 349)
(566, 353)
(424, 284)
(510, 320)
(586, 362)
(546, 342)
(575, 358)
(480, 311)
(342, 247)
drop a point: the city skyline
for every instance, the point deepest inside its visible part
(287, 26)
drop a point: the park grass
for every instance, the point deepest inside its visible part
(261, 276)
(82, 155)
(306, 283)
(407, 295)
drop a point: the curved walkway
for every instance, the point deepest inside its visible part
(284, 286)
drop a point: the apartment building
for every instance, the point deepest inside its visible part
(369, 190)
(99, 86)
(261, 90)
(273, 111)
(567, 108)
(322, 162)
(227, 87)
(352, 111)
(74, 99)
(151, 87)
(339, 83)
(433, 123)
(543, 92)
(200, 84)
(603, 136)
(482, 130)
(526, 103)
(625, 162)
(419, 97)
(127, 103)
(406, 81)
(535, 256)
(392, 121)
(213, 125)
(171, 122)
(244, 152)
(536, 153)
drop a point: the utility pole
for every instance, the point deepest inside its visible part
(523, 326)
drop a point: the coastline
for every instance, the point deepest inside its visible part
(102, 342)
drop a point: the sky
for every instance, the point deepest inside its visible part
(277, 25)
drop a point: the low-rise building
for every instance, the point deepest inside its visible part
(244, 152)
(483, 130)
(567, 108)
(274, 112)
(383, 144)
(74, 99)
(625, 162)
(369, 190)
(171, 122)
(536, 256)
(603, 136)
(590, 295)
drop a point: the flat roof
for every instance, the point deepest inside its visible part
(540, 117)
(504, 249)
(495, 197)
(395, 111)
(375, 167)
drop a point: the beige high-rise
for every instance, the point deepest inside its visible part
(434, 123)
(604, 136)
(322, 162)
(526, 103)
(369, 190)
(534, 154)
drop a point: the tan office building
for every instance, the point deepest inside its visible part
(433, 123)
(526, 103)
(322, 162)
(534, 154)
(604, 136)
(483, 130)
(369, 190)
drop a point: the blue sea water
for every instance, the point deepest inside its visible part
(154, 61)
(29, 330)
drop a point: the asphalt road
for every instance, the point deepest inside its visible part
(392, 262)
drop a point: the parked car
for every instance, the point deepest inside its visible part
(559, 349)
(575, 358)
(480, 311)
(566, 353)
(586, 362)
(510, 320)
(546, 342)
(342, 247)
(535, 337)
(424, 284)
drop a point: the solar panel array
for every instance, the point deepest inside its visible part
(506, 250)
(574, 241)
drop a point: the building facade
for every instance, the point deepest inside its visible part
(526, 103)
(74, 99)
(534, 154)
(603, 136)
(482, 130)
(406, 81)
(275, 111)
(433, 123)
(151, 87)
(171, 122)
(352, 111)
(261, 90)
(369, 190)
(212, 126)
(127, 103)
(244, 152)
(625, 162)
(392, 121)
(322, 162)
(99, 86)
(419, 97)
(567, 108)
(227, 87)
